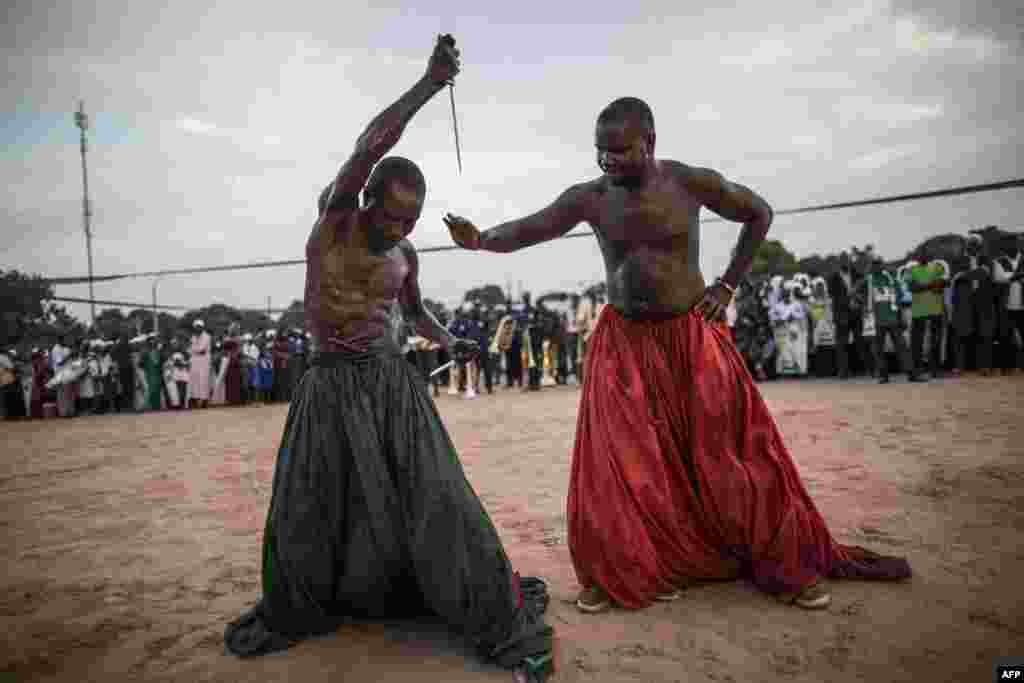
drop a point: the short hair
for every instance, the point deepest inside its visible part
(627, 109)
(399, 169)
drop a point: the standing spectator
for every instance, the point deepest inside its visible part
(584, 328)
(572, 338)
(250, 356)
(823, 334)
(880, 293)
(1008, 272)
(232, 347)
(265, 372)
(926, 282)
(199, 377)
(154, 372)
(480, 334)
(461, 326)
(974, 309)
(66, 391)
(514, 354)
(40, 376)
(789, 318)
(847, 314)
(139, 384)
(10, 385)
(181, 376)
(296, 357)
(108, 369)
(219, 369)
(282, 377)
(89, 387)
(66, 376)
(125, 374)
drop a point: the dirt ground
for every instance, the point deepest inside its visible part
(129, 542)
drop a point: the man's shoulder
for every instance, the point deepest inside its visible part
(327, 227)
(586, 191)
(688, 175)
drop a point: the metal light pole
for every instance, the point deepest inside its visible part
(82, 121)
(156, 319)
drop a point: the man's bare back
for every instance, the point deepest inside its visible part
(645, 214)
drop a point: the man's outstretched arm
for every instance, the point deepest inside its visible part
(386, 128)
(737, 203)
(556, 219)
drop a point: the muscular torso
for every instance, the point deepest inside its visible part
(351, 293)
(650, 240)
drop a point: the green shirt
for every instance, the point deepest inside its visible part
(883, 299)
(927, 302)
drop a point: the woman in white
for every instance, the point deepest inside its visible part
(89, 387)
(199, 378)
(823, 327)
(173, 396)
(789, 319)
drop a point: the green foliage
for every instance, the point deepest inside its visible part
(22, 305)
(773, 258)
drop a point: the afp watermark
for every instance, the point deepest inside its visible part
(1009, 670)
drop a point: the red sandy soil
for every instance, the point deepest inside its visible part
(129, 542)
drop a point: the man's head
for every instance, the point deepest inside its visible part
(844, 260)
(624, 138)
(392, 201)
(974, 244)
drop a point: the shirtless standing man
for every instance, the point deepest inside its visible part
(679, 471)
(371, 514)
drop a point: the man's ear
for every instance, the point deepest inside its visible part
(651, 139)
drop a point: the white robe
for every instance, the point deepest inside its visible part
(141, 385)
(791, 337)
(199, 375)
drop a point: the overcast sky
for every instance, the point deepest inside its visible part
(215, 129)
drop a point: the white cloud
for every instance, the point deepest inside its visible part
(882, 157)
(196, 126)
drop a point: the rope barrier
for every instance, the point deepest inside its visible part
(150, 307)
(948, 192)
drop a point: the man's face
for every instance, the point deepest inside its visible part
(393, 214)
(623, 150)
(844, 261)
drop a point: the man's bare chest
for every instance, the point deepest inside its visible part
(652, 216)
(357, 270)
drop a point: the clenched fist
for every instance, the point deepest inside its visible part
(444, 62)
(463, 231)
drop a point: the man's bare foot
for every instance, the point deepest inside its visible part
(814, 596)
(593, 600)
